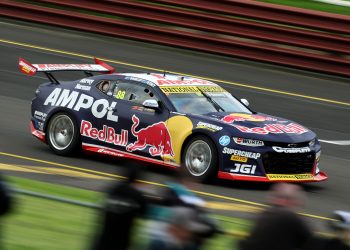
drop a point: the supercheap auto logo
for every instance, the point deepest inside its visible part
(231, 118)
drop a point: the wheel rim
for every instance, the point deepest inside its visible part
(198, 158)
(61, 131)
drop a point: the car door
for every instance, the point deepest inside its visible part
(147, 134)
(98, 118)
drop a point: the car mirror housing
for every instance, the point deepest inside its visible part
(151, 103)
(245, 102)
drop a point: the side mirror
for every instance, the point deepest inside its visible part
(151, 103)
(245, 102)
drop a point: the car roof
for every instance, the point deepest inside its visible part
(168, 79)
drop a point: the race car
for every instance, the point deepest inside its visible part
(169, 120)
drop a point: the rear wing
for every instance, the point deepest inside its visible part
(31, 69)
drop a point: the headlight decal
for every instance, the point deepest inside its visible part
(312, 142)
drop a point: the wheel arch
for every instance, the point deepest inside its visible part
(194, 134)
(55, 111)
(74, 144)
(213, 169)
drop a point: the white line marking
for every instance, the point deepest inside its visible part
(341, 143)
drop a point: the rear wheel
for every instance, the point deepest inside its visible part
(200, 158)
(62, 134)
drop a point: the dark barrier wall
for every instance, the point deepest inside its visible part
(246, 29)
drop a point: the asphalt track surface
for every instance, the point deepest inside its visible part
(320, 102)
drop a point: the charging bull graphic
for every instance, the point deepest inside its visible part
(156, 136)
(231, 118)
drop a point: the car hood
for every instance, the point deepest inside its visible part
(262, 127)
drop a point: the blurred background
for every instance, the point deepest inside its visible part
(288, 58)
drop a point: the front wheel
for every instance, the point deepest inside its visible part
(200, 158)
(63, 134)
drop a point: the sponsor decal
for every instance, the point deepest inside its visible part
(208, 126)
(139, 108)
(291, 128)
(41, 126)
(180, 89)
(289, 177)
(48, 67)
(243, 169)
(212, 88)
(224, 140)
(26, 67)
(216, 94)
(87, 81)
(318, 155)
(237, 152)
(83, 87)
(37, 133)
(74, 100)
(177, 113)
(239, 158)
(191, 89)
(109, 152)
(166, 82)
(133, 78)
(248, 142)
(156, 136)
(106, 134)
(40, 115)
(292, 150)
(115, 152)
(231, 118)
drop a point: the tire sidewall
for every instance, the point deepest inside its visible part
(75, 144)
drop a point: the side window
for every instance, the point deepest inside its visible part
(131, 91)
(106, 86)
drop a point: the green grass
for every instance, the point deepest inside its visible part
(43, 224)
(313, 5)
(54, 189)
(36, 223)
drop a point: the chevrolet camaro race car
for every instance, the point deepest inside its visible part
(169, 120)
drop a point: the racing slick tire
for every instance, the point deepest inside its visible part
(200, 158)
(62, 134)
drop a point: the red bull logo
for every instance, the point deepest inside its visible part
(231, 118)
(106, 134)
(291, 128)
(156, 136)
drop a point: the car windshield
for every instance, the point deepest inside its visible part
(203, 100)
